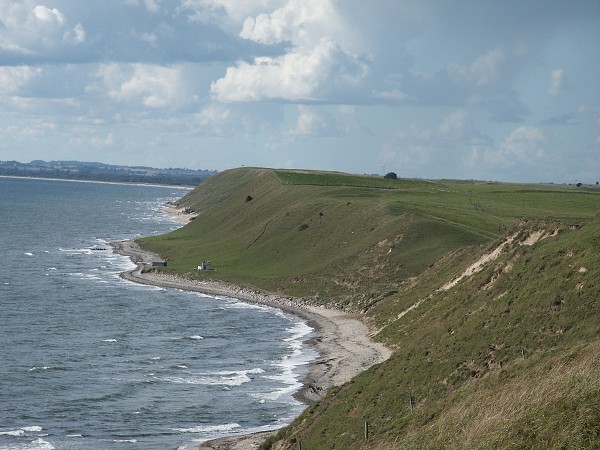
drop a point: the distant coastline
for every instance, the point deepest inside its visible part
(100, 172)
(122, 183)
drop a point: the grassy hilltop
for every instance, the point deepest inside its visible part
(504, 353)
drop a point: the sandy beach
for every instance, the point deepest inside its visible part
(342, 340)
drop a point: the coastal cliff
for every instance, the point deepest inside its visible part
(486, 292)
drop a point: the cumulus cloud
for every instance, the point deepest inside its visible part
(298, 21)
(485, 70)
(557, 82)
(313, 121)
(315, 68)
(234, 10)
(146, 85)
(101, 142)
(34, 30)
(454, 124)
(302, 75)
(524, 145)
(13, 79)
(77, 35)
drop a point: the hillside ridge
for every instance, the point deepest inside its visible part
(478, 288)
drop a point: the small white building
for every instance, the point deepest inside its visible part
(206, 265)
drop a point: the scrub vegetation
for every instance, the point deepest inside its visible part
(488, 293)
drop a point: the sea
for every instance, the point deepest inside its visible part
(91, 361)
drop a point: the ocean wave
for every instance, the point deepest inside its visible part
(195, 337)
(209, 428)
(19, 432)
(276, 394)
(16, 433)
(44, 368)
(225, 378)
(298, 331)
(236, 304)
(39, 444)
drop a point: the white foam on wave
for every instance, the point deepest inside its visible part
(125, 441)
(298, 331)
(236, 304)
(76, 251)
(195, 337)
(288, 366)
(39, 444)
(84, 276)
(26, 431)
(225, 378)
(209, 428)
(15, 433)
(277, 394)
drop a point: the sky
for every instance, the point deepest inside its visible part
(505, 90)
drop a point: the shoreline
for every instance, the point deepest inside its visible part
(123, 183)
(341, 339)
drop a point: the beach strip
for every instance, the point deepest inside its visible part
(342, 340)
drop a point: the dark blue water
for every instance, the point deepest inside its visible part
(88, 360)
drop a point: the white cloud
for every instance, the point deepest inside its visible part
(454, 124)
(215, 119)
(148, 85)
(236, 10)
(313, 121)
(298, 21)
(35, 30)
(152, 5)
(302, 75)
(316, 67)
(524, 145)
(77, 35)
(46, 15)
(485, 70)
(101, 142)
(13, 79)
(395, 95)
(557, 82)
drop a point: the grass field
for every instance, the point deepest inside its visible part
(506, 358)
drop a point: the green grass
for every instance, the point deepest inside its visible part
(515, 365)
(346, 239)
(508, 358)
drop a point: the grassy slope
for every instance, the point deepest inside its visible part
(344, 239)
(507, 358)
(513, 365)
